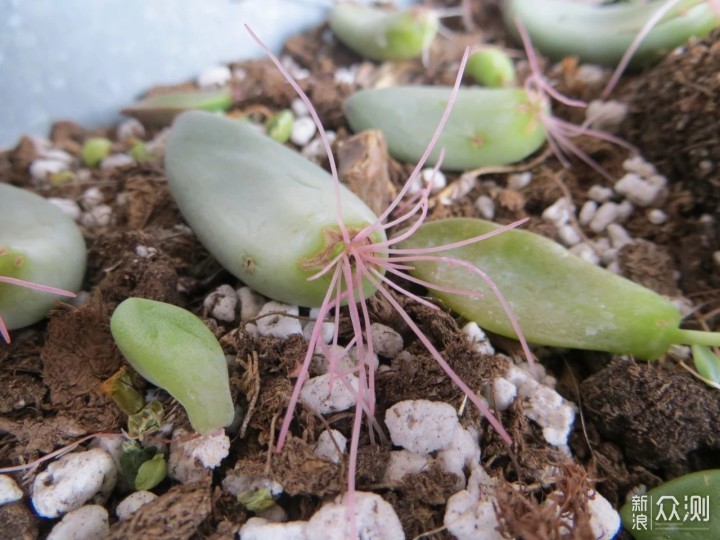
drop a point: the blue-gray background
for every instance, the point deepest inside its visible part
(85, 59)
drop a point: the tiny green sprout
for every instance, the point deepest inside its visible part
(147, 420)
(381, 34)
(42, 257)
(139, 151)
(558, 299)
(63, 178)
(161, 109)
(120, 388)
(174, 350)
(132, 456)
(279, 127)
(707, 365)
(491, 67)
(94, 150)
(257, 501)
(151, 472)
(685, 508)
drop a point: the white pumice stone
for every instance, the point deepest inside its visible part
(250, 303)
(568, 235)
(656, 216)
(386, 341)
(638, 165)
(591, 74)
(637, 190)
(599, 193)
(91, 198)
(422, 426)
(146, 252)
(608, 256)
(315, 149)
(257, 528)
(9, 490)
(42, 169)
(544, 406)
(519, 181)
(133, 502)
(604, 519)
(586, 252)
(463, 452)
(469, 518)
(415, 186)
(72, 480)
(115, 161)
(486, 206)
(188, 458)
(558, 213)
(374, 519)
(56, 154)
(587, 212)
(130, 129)
(327, 331)
(503, 394)
(606, 115)
(331, 445)
(214, 76)
(303, 130)
(325, 398)
(278, 326)
(67, 206)
(478, 339)
(606, 214)
(435, 179)
(619, 237)
(222, 303)
(403, 462)
(299, 108)
(97, 216)
(345, 75)
(624, 210)
(86, 523)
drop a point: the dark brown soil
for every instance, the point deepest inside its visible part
(638, 423)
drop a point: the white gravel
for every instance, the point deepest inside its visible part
(331, 445)
(189, 458)
(86, 523)
(323, 398)
(221, 304)
(9, 490)
(214, 76)
(133, 502)
(422, 426)
(277, 325)
(386, 341)
(374, 519)
(303, 130)
(72, 480)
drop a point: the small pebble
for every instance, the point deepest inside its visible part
(568, 235)
(214, 76)
(422, 426)
(463, 453)
(298, 73)
(250, 303)
(98, 216)
(587, 212)
(606, 214)
(600, 194)
(486, 206)
(257, 528)
(68, 207)
(327, 331)
(56, 154)
(146, 252)
(638, 165)
(656, 216)
(624, 210)
(519, 181)
(130, 129)
(435, 179)
(9, 490)
(72, 480)
(345, 75)
(86, 523)
(586, 252)
(91, 198)
(558, 213)
(115, 161)
(504, 393)
(466, 516)
(315, 149)
(325, 398)
(42, 169)
(403, 462)
(222, 303)
(189, 458)
(375, 518)
(132, 503)
(619, 237)
(331, 445)
(478, 339)
(276, 325)
(303, 130)
(637, 190)
(606, 115)
(386, 341)
(299, 108)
